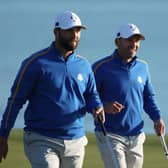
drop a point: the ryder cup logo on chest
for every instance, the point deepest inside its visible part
(80, 77)
(139, 79)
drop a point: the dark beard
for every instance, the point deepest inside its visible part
(66, 45)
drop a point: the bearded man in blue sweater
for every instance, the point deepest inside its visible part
(124, 84)
(60, 88)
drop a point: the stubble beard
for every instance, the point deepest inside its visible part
(131, 52)
(68, 45)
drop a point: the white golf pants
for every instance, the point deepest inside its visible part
(121, 151)
(44, 152)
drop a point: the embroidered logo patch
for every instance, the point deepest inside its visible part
(80, 77)
(139, 79)
(73, 18)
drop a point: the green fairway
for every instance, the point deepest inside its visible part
(154, 156)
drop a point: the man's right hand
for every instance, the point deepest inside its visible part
(113, 107)
(3, 148)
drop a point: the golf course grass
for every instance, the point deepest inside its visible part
(154, 155)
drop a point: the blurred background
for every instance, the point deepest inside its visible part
(27, 26)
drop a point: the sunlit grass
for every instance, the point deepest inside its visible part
(154, 155)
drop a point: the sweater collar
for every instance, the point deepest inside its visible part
(119, 60)
(57, 55)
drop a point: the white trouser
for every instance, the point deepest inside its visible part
(44, 152)
(121, 151)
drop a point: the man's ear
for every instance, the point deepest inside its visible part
(55, 31)
(117, 41)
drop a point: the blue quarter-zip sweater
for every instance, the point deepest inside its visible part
(130, 85)
(59, 93)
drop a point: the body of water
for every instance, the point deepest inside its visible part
(27, 26)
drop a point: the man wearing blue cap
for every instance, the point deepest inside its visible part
(124, 84)
(59, 86)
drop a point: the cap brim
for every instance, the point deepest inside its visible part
(81, 26)
(66, 28)
(141, 36)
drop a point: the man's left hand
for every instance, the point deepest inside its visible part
(159, 127)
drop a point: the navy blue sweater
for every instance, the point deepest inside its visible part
(59, 93)
(130, 85)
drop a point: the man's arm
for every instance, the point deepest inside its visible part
(20, 91)
(151, 107)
